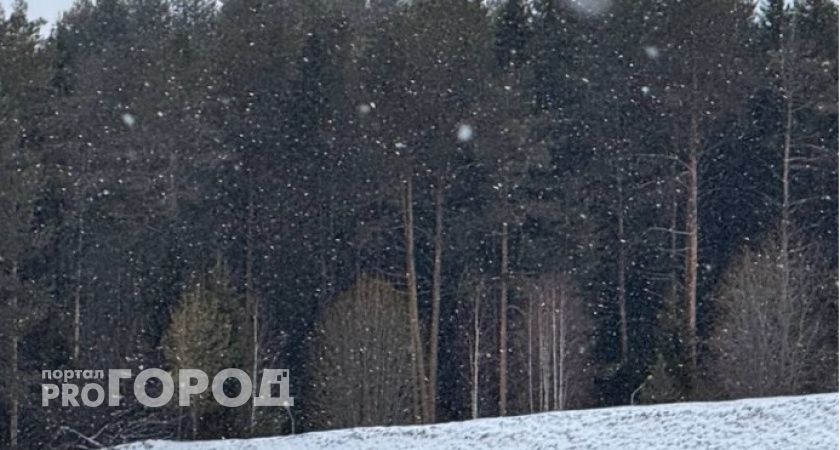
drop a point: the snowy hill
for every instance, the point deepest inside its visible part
(806, 422)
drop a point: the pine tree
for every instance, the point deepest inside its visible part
(512, 35)
(662, 385)
(22, 291)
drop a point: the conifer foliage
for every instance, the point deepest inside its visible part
(426, 210)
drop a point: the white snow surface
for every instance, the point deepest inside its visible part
(803, 422)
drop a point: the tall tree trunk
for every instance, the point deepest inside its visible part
(672, 252)
(418, 366)
(253, 304)
(622, 275)
(476, 351)
(545, 357)
(554, 363)
(172, 201)
(531, 355)
(194, 419)
(77, 296)
(436, 296)
(80, 199)
(327, 271)
(541, 358)
(693, 230)
(561, 372)
(179, 430)
(784, 229)
(14, 406)
(788, 92)
(672, 323)
(503, 331)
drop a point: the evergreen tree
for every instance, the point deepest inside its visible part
(23, 291)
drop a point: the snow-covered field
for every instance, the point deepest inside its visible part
(806, 422)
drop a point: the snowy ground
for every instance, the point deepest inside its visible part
(807, 422)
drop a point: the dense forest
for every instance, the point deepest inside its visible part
(427, 210)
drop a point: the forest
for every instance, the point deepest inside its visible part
(426, 210)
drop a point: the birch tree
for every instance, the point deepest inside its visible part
(201, 334)
(361, 358)
(562, 332)
(764, 344)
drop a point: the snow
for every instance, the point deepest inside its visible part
(128, 119)
(804, 422)
(589, 7)
(465, 132)
(652, 52)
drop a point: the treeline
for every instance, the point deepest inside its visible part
(428, 210)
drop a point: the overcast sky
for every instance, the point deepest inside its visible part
(46, 9)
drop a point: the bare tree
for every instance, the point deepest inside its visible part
(474, 293)
(362, 358)
(417, 357)
(200, 333)
(622, 269)
(802, 87)
(767, 344)
(252, 303)
(562, 334)
(437, 282)
(503, 322)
